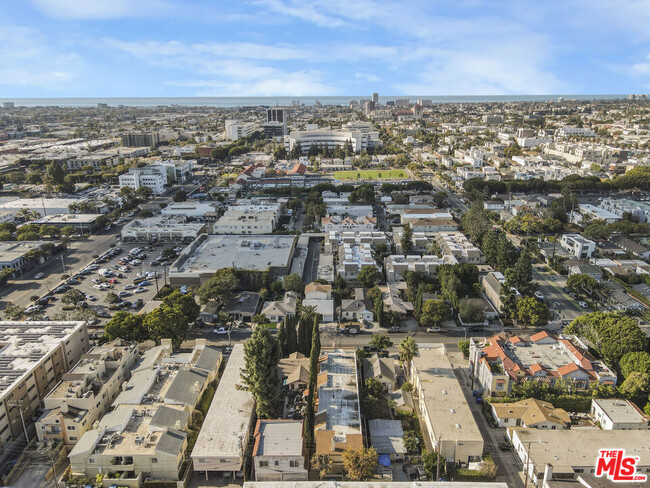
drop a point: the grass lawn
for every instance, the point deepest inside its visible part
(370, 174)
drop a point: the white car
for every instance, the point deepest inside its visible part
(433, 329)
(39, 276)
(130, 287)
(101, 286)
(220, 331)
(583, 304)
(139, 290)
(91, 298)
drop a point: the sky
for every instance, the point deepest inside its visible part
(167, 48)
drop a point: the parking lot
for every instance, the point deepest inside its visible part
(114, 271)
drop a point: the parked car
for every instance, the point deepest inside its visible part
(221, 331)
(91, 298)
(103, 314)
(583, 304)
(539, 296)
(130, 287)
(124, 294)
(39, 276)
(433, 329)
(139, 290)
(394, 330)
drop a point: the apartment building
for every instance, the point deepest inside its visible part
(161, 229)
(500, 362)
(85, 393)
(352, 258)
(278, 453)
(145, 434)
(336, 238)
(397, 265)
(235, 130)
(338, 415)
(141, 139)
(618, 414)
(331, 138)
(443, 408)
(336, 223)
(247, 220)
(152, 177)
(459, 246)
(223, 440)
(578, 246)
(33, 359)
(95, 160)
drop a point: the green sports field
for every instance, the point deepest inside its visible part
(370, 174)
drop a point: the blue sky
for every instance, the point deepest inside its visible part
(68, 48)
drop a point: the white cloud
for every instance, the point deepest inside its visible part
(28, 59)
(366, 77)
(100, 9)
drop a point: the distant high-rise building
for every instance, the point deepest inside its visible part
(102, 105)
(402, 102)
(8, 104)
(375, 98)
(368, 106)
(425, 102)
(141, 139)
(276, 122)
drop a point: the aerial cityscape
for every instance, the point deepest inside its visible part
(259, 281)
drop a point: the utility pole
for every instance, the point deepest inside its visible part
(22, 419)
(438, 459)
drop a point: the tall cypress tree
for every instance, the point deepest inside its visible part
(303, 336)
(379, 312)
(308, 425)
(282, 339)
(262, 355)
(292, 339)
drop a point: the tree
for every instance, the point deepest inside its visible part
(508, 300)
(180, 196)
(261, 319)
(440, 199)
(308, 425)
(305, 325)
(166, 322)
(359, 464)
(184, 303)
(292, 334)
(408, 349)
(260, 373)
(635, 362)
(432, 465)
(111, 297)
(612, 334)
(12, 311)
(222, 285)
(73, 296)
(143, 192)
(381, 341)
(463, 346)
(293, 282)
(374, 294)
(54, 174)
(68, 230)
(407, 239)
(363, 195)
(531, 311)
(369, 276)
(636, 388)
(521, 275)
(282, 339)
(125, 325)
(407, 387)
(323, 464)
(378, 311)
(434, 312)
(488, 468)
(582, 284)
(471, 311)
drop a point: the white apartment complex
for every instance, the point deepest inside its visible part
(578, 246)
(331, 138)
(397, 265)
(459, 246)
(152, 177)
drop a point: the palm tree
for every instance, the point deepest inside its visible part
(408, 349)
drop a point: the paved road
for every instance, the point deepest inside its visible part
(561, 304)
(310, 273)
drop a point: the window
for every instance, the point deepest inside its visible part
(72, 438)
(154, 460)
(91, 460)
(223, 460)
(293, 464)
(264, 464)
(71, 427)
(277, 463)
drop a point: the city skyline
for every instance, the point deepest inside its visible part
(165, 48)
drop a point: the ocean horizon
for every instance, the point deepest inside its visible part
(231, 102)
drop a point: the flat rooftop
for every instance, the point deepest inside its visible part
(209, 253)
(577, 448)
(23, 345)
(338, 395)
(12, 250)
(279, 438)
(71, 219)
(166, 224)
(223, 434)
(620, 411)
(372, 484)
(448, 410)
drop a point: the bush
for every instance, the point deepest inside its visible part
(488, 468)
(463, 345)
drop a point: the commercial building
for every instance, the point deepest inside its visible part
(248, 220)
(331, 138)
(618, 414)
(152, 177)
(13, 254)
(276, 122)
(141, 139)
(222, 442)
(397, 265)
(191, 210)
(498, 363)
(577, 246)
(235, 130)
(338, 415)
(44, 206)
(145, 434)
(531, 413)
(459, 246)
(178, 170)
(85, 393)
(567, 454)
(443, 408)
(209, 253)
(278, 453)
(33, 359)
(84, 223)
(161, 229)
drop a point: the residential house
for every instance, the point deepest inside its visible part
(531, 413)
(381, 369)
(243, 306)
(278, 453)
(279, 311)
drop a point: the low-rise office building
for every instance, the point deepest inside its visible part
(15, 254)
(152, 177)
(375, 484)
(278, 453)
(618, 414)
(443, 407)
(33, 359)
(245, 220)
(145, 434)
(85, 393)
(209, 253)
(223, 440)
(161, 229)
(83, 223)
(191, 210)
(44, 206)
